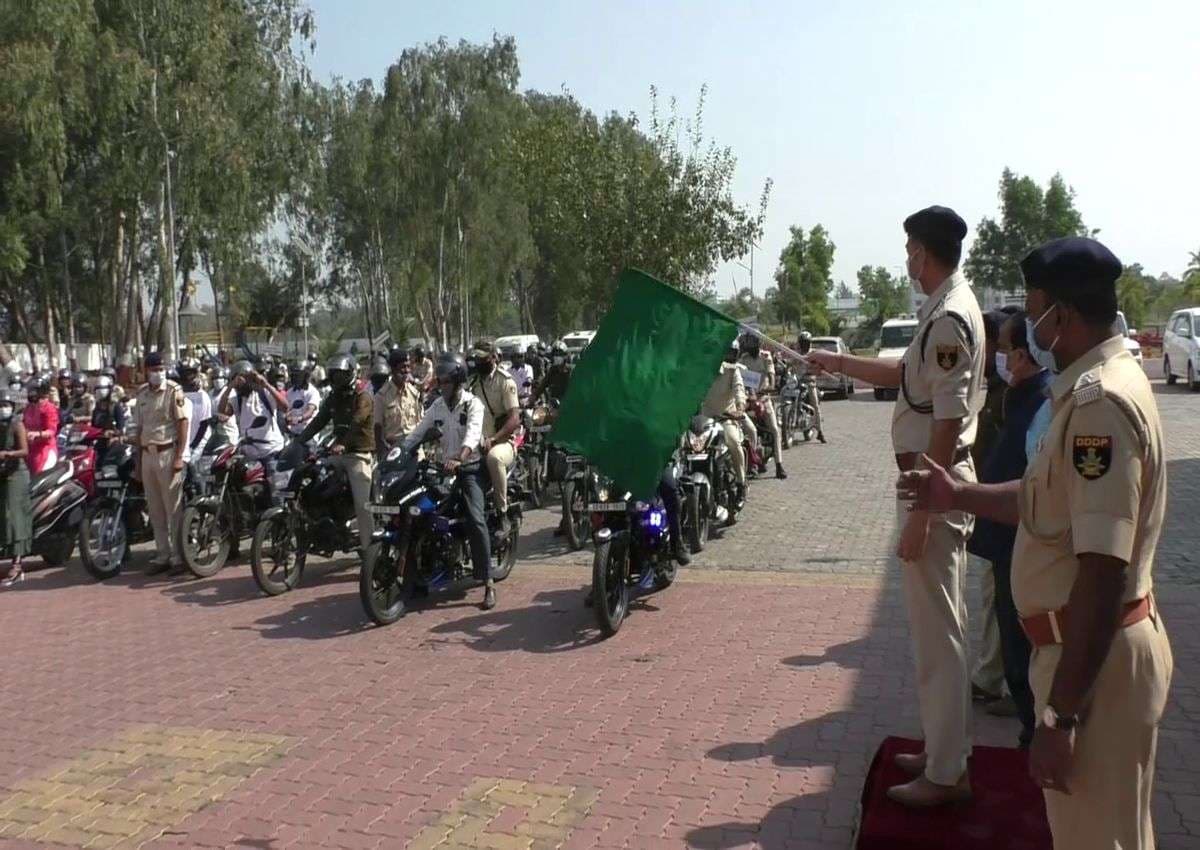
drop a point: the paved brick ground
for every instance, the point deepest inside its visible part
(737, 709)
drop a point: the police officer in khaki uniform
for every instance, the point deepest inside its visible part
(761, 363)
(941, 382)
(160, 429)
(497, 390)
(1089, 512)
(726, 400)
(398, 407)
(82, 402)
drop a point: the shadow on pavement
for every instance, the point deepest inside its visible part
(556, 622)
(847, 655)
(314, 619)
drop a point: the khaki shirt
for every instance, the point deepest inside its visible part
(764, 366)
(727, 395)
(942, 372)
(1098, 483)
(156, 412)
(397, 411)
(82, 406)
(498, 392)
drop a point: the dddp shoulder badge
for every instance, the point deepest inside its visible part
(947, 356)
(1092, 455)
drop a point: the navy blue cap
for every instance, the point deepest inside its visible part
(1072, 266)
(154, 358)
(935, 224)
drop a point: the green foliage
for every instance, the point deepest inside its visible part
(883, 295)
(1134, 288)
(804, 280)
(1029, 216)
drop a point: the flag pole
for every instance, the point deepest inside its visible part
(773, 345)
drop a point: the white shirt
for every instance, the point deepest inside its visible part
(225, 425)
(199, 413)
(266, 438)
(302, 407)
(187, 411)
(523, 375)
(460, 426)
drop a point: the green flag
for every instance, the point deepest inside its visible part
(641, 380)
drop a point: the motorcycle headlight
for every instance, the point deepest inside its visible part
(696, 442)
(395, 453)
(602, 494)
(539, 416)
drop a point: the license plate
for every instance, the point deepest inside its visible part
(108, 471)
(575, 458)
(540, 429)
(699, 457)
(606, 507)
(108, 485)
(384, 510)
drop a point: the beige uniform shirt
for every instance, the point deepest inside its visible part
(727, 395)
(498, 392)
(764, 366)
(397, 411)
(156, 412)
(1098, 483)
(942, 372)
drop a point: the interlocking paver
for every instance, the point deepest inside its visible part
(738, 708)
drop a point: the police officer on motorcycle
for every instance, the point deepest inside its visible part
(759, 362)
(460, 416)
(803, 346)
(554, 382)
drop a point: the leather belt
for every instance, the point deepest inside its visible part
(1047, 629)
(158, 447)
(907, 461)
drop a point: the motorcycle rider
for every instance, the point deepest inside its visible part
(316, 372)
(60, 393)
(398, 406)
(497, 390)
(803, 346)
(421, 369)
(40, 418)
(535, 362)
(759, 362)
(200, 421)
(522, 373)
(554, 383)
(81, 402)
(380, 372)
(351, 410)
(726, 401)
(461, 417)
(303, 399)
(223, 423)
(250, 398)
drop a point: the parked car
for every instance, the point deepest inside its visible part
(577, 341)
(1181, 349)
(837, 385)
(894, 337)
(521, 341)
(1131, 345)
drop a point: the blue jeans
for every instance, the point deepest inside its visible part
(472, 479)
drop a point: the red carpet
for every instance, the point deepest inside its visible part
(1007, 813)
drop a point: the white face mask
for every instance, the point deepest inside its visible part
(6, 412)
(1002, 367)
(155, 377)
(1044, 357)
(103, 393)
(915, 267)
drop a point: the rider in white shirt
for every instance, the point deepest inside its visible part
(303, 399)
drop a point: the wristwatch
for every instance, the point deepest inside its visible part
(1051, 719)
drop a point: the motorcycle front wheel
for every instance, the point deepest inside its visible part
(535, 481)
(379, 583)
(505, 555)
(610, 589)
(275, 557)
(204, 540)
(103, 544)
(697, 513)
(575, 513)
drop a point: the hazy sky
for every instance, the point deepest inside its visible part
(862, 112)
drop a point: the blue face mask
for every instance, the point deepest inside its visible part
(1044, 357)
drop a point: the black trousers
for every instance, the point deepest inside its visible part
(672, 497)
(472, 481)
(1014, 649)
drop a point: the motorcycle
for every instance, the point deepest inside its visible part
(117, 518)
(711, 490)
(633, 551)
(232, 492)
(317, 517)
(580, 483)
(534, 453)
(756, 409)
(802, 416)
(421, 539)
(79, 446)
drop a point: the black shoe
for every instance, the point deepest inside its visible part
(489, 598)
(821, 436)
(682, 556)
(779, 473)
(155, 568)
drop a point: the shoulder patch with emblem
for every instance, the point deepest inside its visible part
(1087, 389)
(947, 356)
(1092, 455)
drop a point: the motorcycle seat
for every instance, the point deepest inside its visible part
(50, 478)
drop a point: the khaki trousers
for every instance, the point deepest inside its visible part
(989, 665)
(163, 487)
(935, 593)
(773, 428)
(500, 459)
(1112, 775)
(733, 439)
(358, 472)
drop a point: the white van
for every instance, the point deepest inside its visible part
(577, 341)
(894, 338)
(521, 341)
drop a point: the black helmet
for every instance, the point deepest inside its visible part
(379, 367)
(418, 351)
(749, 343)
(188, 365)
(312, 357)
(397, 357)
(451, 367)
(38, 384)
(559, 349)
(804, 342)
(341, 369)
(64, 373)
(78, 379)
